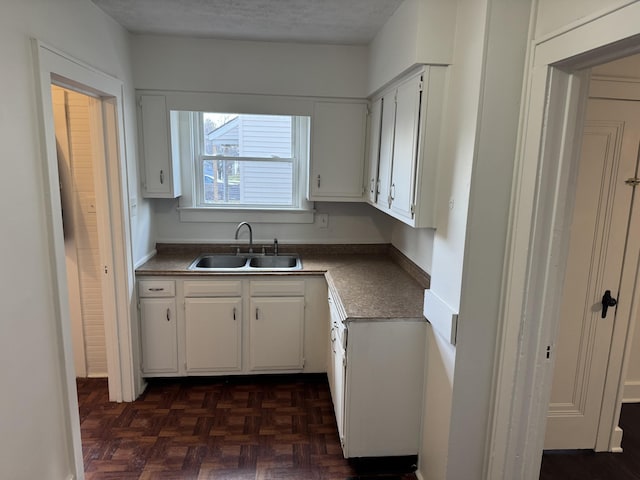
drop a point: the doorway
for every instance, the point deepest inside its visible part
(76, 147)
(544, 190)
(116, 263)
(596, 295)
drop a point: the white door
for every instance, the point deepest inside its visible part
(276, 333)
(213, 334)
(594, 266)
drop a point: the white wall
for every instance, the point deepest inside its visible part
(205, 65)
(230, 66)
(34, 442)
(501, 86)
(553, 15)
(348, 223)
(419, 31)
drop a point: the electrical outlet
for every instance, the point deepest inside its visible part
(323, 220)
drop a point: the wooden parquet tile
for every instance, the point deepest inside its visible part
(232, 428)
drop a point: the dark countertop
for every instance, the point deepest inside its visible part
(365, 286)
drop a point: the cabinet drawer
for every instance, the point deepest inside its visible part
(213, 288)
(277, 288)
(156, 288)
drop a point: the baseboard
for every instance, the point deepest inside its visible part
(631, 392)
(418, 475)
(616, 441)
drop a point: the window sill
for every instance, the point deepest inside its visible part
(192, 214)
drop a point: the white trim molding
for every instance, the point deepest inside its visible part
(542, 199)
(441, 316)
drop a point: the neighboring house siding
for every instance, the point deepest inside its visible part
(259, 136)
(265, 182)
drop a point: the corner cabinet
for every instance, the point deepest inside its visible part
(403, 146)
(336, 165)
(161, 178)
(376, 377)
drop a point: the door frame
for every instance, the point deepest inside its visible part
(541, 206)
(53, 66)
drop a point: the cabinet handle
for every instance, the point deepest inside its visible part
(373, 182)
(257, 316)
(318, 181)
(168, 315)
(234, 313)
(333, 340)
(162, 176)
(393, 192)
(156, 289)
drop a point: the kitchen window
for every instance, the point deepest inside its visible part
(244, 161)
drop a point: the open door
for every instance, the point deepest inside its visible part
(599, 230)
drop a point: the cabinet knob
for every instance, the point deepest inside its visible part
(162, 177)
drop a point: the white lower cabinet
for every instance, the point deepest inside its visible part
(158, 325)
(376, 378)
(276, 328)
(227, 326)
(213, 334)
(276, 324)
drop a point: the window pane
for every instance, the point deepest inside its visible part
(245, 182)
(242, 135)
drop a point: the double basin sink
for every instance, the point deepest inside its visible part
(222, 262)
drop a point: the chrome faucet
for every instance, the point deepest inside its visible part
(240, 225)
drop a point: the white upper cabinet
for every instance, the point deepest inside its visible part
(161, 172)
(405, 147)
(373, 150)
(336, 167)
(408, 153)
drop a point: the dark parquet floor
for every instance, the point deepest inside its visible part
(258, 428)
(587, 465)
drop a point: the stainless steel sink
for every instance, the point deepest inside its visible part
(224, 262)
(280, 261)
(218, 262)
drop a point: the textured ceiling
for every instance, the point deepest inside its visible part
(349, 22)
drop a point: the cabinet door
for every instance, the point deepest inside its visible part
(276, 333)
(161, 177)
(387, 129)
(405, 145)
(375, 122)
(213, 334)
(338, 391)
(159, 335)
(337, 154)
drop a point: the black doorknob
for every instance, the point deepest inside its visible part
(607, 301)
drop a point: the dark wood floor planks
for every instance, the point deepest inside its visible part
(585, 465)
(257, 428)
